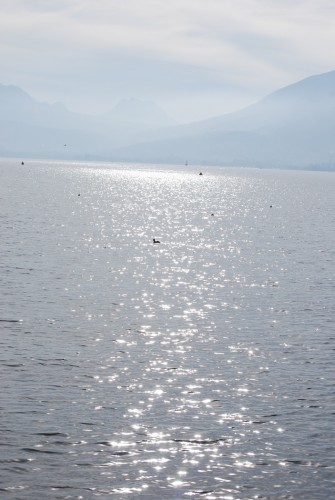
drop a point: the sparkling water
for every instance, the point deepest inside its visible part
(198, 367)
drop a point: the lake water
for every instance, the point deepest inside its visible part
(200, 367)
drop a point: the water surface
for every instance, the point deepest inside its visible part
(200, 367)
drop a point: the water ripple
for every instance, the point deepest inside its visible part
(198, 367)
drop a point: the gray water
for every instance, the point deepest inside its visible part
(200, 367)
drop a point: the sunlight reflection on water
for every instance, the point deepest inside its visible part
(200, 366)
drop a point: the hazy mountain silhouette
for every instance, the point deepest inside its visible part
(292, 127)
(17, 106)
(29, 127)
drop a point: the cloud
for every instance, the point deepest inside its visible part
(255, 45)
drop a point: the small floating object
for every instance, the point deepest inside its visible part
(200, 173)
(78, 194)
(22, 162)
(270, 206)
(155, 241)
(212, 214)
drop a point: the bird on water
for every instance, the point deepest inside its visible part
(155, 241)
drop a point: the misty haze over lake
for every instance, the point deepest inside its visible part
(290, 128)
(167, 249)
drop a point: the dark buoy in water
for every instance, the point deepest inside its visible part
(78, 194)
(200, 173)
(22, 162)
(212, 215)
(155, 241)
(270, 206)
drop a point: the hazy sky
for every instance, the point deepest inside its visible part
(196, 58)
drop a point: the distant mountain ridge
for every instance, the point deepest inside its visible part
(16, 105)
(30, 127)
(292, 127)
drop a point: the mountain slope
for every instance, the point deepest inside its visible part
(293, 126)
(31, 127)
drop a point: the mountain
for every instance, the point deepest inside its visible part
(17, 106)
(29, 127)
(292, 127)
(132, 121)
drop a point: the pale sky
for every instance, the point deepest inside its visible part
(195, 58)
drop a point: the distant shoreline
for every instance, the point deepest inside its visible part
(129, 163)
